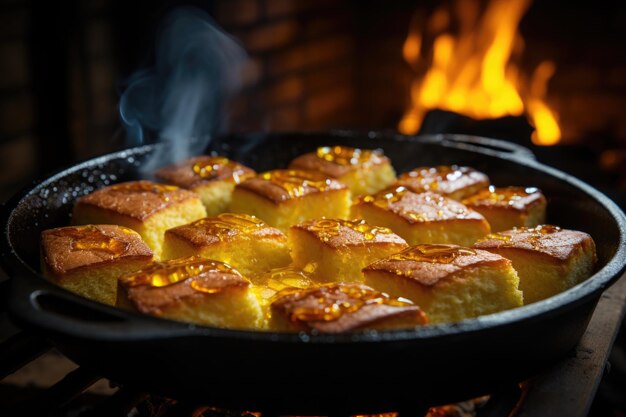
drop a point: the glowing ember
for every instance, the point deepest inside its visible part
(471, 73)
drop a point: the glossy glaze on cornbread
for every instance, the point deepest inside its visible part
(508, 207)
(452, 181)
(337, 250)
(422, 218)
(203, 170)
(449, 282)
(339, 233)
(193, 289)
(67, 249)
(241, 240)
(548, 259)
(365, 171)
(138, 200)
(286, 197)
(146, 207)
(282, 185)
(88, 259)
(340, 307)
(212, 177)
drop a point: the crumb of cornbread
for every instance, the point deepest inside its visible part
(449, 282)
(89, 259)
(146, 207)
(243, 241)
(548, 259)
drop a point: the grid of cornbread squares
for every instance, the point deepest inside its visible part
(336, 242)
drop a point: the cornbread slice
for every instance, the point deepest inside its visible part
(422, 218)
(453, 181)
(241, 240)
(341, 307)
(88, 260)
(548, 259)
(364, 171)
(337, 250)
(194, 290)
(509, 207)
(146, 207)
(286, 197)
(449, 282)
(212, 177)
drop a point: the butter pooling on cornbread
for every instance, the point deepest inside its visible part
(341, 307)
(548, 259)
(449, 282)
(286, 197)
(268, 284)
(509, 207)
(88, 260)
(241, 240)
(452, 181)
(422, 218)
(146, 207)
(364, 171)
(213, 178)
(194, 290)
(337, 250)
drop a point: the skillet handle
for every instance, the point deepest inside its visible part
(53, 311)
(501, 148)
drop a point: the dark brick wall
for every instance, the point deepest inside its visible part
(315, 64)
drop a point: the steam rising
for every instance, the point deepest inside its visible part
(181, 100)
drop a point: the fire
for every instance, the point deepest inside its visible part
(472, 73)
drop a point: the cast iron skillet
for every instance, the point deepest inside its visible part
(308, 373)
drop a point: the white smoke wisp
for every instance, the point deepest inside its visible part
(182, 99)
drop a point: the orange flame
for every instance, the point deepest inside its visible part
(472, 73)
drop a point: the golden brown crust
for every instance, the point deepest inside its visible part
(420, 208)
(282, 185)
(136, 199)
(559, 244)
(223, 228)
(204, 170)
(337, 161)
(341, 233)
(520, 199)
(164, 284)
(430, 264)
(68, 249)
(443, 179)
(341, 307)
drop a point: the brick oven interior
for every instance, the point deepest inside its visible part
(313, 65)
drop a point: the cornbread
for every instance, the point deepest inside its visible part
(509, 207)
(337, 250)
(194, 290)
(453, 181)
(286, 197)
(548, 259)
(88, 260)
(364, 171)
(449, 282)
(341, 307)
(146, 207)
(422, 218)
(267, 285)
(212, 177)
(243, 241)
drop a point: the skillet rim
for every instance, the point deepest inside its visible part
(163, 328)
